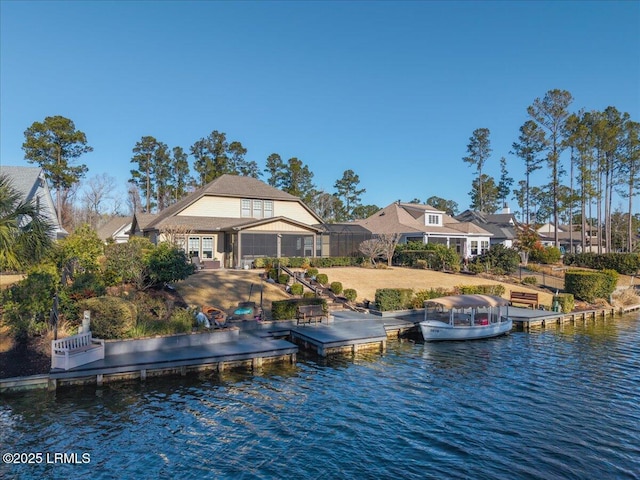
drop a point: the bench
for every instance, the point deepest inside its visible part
(525, 298)
(76, 350)
(310, 313)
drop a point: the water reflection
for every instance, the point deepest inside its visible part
(558, 403)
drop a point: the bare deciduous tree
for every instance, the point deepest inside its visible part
(389, 241)
(176, 234)
(372, 249)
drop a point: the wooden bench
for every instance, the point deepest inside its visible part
(76, 350)
(525, 298)
(310, 313)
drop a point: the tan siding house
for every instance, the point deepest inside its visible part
(232, 221)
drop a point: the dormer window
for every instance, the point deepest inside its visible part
(433, 219)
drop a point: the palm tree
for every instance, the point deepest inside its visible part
(25, 233)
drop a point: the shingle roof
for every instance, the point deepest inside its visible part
(112, 226)
(23, 179)
(410, 218)
(224, 186)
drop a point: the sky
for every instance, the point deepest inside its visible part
(390, 90)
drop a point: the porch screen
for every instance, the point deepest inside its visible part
(297, 246)
(259, 245)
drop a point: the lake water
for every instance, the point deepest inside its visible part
(555, 404)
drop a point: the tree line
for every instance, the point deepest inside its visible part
(603, 158)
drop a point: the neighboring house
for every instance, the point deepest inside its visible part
(115, 230)
(423, 223)
(32, 185)
(569, 241)
(502, 226)
(233, 220)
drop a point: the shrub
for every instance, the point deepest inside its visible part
(393, 299)
(566, 302)
(623, 263)
(111, 317)
(283, 279)
(308, 295)
(588, 285)
(322, 278)
(499, 260)
(181, 320)
(497, 289)
(168, 263)
(530, 281)
(311, 272)
(286, 309)
(350, 294)
(297, 289)
(27, 303)
(423, 295)
(547, 255)
(336, 287)
(434, 255)
(86, 285)
(420, 263)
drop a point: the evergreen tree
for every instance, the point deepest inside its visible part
(531, 144)
(489, 189)
(276, 170)
(347, 190)
(551, 113)
(504, 186)
(479, 150)
(54, 145)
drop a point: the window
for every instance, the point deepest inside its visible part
(434, 219)
(246, 208)
(257, 209)
(268, 208)
(484, 246)
(194, 246)
(474, 247)
(207, 247)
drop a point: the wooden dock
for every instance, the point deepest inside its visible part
(264, 342)
(525, 319)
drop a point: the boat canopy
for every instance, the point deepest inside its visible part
(468, 301)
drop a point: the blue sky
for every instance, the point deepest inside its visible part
(391, 90)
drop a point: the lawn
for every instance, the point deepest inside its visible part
(225, 288)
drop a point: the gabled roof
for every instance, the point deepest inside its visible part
(234, 186)
(31, 183)
(407, 218)
(500, 225)
(113, 227)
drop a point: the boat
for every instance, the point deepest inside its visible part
(465, 317)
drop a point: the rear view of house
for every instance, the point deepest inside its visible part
(232, 221)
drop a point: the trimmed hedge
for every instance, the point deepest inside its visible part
(497, 289)
(286, 309)
(588, 286)
(336, 287)
(111, 317)
(283, 279)
(623, 263)
(350, 294)
(302, 262)
(322, 278)
(393, 299)
(423, 295)
(297, 289)
(546, 255)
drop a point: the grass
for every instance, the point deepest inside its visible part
(226, 288)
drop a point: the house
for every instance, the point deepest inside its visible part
(423, 223)
(233, 220)
(570, 241)
(32, 185)
(115, 230)
(502, 226)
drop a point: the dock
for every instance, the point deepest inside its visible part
(250, 344)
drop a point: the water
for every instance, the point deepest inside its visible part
(553, 404)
